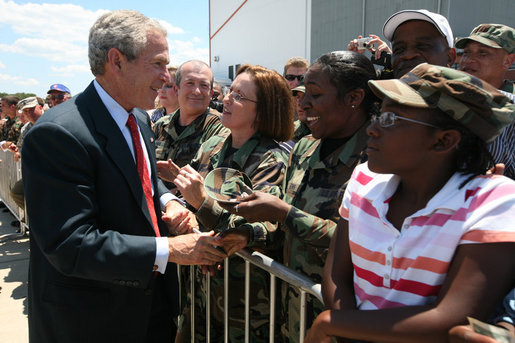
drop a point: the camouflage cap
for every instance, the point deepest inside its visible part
(227, 185)
(493, 35)
(29, 102)
(472, 102)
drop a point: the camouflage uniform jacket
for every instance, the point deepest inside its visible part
(315, 189)
(300, 130)
(262, 159)
(181, 148)
(11, 129)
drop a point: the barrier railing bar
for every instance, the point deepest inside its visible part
(247, 301)
(208, 309)
(302, 282)
(192, 302)
(272, 308)
(226, 300)
(302, 328)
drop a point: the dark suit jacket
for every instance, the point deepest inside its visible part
(92, 242)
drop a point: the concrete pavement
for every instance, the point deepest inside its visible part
(14, 264)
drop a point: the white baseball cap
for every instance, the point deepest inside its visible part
(438, 20)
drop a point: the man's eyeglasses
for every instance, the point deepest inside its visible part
(291, 77)
(60, 96)
(238, 98)
(387, 119)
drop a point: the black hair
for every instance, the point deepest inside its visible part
(472, 154)
(350, 70)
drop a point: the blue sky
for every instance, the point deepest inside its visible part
(45, 42)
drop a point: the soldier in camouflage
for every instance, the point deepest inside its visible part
(487, 54)
(300, 127)
(180, 134)
(12, 126)
(338, 104)
(259, 113)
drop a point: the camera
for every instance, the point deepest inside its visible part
(217, 105)
(363, 42)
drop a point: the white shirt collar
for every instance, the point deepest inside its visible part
(119, 114)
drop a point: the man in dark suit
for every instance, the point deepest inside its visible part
(101, 266)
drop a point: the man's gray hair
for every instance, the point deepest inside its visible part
(197, 63)
(124, 30)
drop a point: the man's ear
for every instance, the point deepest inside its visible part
(508, 61)
(115, 59)
(451, 55)
(446, 140)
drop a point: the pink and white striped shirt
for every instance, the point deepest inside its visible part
(408, 267)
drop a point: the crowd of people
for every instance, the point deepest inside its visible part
(388, 180)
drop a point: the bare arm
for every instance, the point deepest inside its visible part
(472, 288)
(337, 284)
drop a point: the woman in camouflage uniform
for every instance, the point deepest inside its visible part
(338, 104)
(259, 113)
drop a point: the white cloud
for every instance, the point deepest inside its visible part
(18, 80)
(70, 71)
(182, 51)
(170, 29)
(2, 66)
(58, 33)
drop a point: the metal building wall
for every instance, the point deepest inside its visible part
(467, 14)
(335, 22)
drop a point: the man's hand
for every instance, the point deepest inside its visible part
(259, 207)
(167, 170)
(16, 157)
(13, 147)
(179, 219)
(234, 240)
(194, 248)
(5, 145)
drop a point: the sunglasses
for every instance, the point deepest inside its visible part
(291, 77)
(57, 97)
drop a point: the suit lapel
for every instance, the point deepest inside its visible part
(116, 147)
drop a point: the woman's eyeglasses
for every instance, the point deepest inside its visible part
(387, 119)
(238, 98)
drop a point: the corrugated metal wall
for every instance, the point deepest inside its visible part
(335, 22)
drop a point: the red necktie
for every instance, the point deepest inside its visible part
(141, 164)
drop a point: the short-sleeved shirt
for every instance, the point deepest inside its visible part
(407, 267)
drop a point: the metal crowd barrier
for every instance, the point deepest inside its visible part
(10, 172)
(276, 270)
